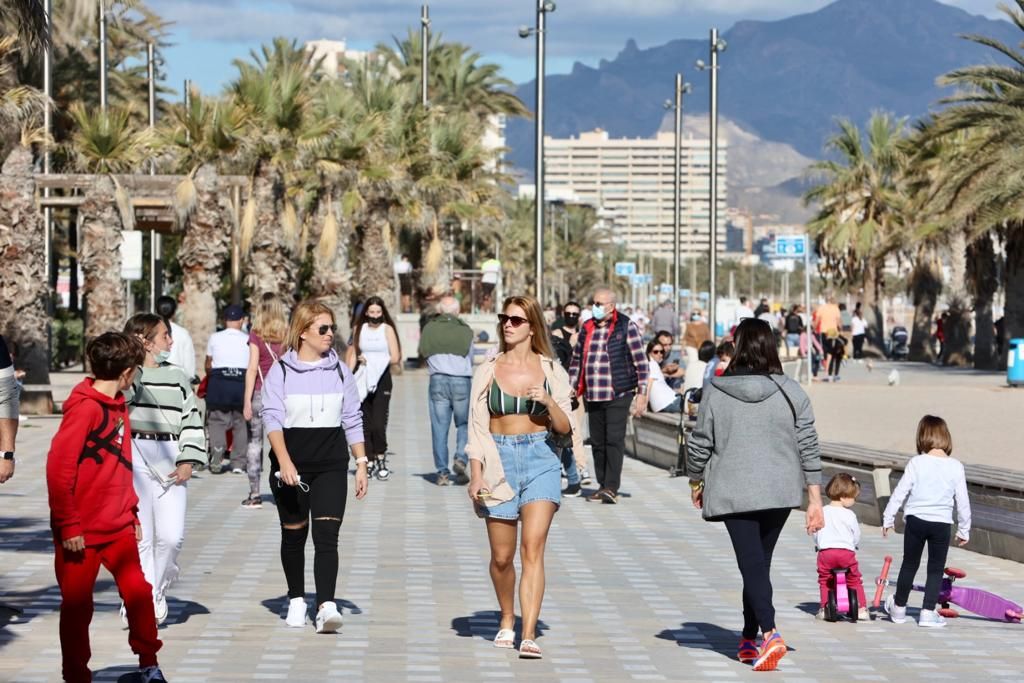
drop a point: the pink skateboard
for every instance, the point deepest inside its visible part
(976, 600)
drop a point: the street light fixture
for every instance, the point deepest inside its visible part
(718, 45)
(681, 88)
(424, 48)
(544, 7)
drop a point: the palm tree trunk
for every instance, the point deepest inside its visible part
(205, 249)
(983, 285)
(926, 283)
(375, 268)
(1014, 283)
(956, 349)
(101, 260)
(271, 267)
(875, 336)
(330, 282)
(23, 279)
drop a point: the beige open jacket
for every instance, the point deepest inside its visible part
(481, 444)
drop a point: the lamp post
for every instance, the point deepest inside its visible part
(681, 88)
(718, 45)
(540, 32)
(424, 51)
(48, 126)
(103, 57)
(155, 286)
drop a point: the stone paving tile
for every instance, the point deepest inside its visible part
(642, 591)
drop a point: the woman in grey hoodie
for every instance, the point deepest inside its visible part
(750, 457)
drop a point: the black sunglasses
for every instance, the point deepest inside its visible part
(657, 352)
(514, 319)
(322, 330)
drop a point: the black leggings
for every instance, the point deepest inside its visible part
(753, 536)
(375, 417)
(916, 533)
(325, 502)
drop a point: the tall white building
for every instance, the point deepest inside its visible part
(632, 179)
(334, 54)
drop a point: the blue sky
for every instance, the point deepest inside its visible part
(209, 34)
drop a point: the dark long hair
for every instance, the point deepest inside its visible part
(361, 318)
(756, 351)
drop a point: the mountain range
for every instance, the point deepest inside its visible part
(784, 81)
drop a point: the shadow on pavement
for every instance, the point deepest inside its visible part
(279, 606)
(13, 606)
(485, 625)
(704, 636)
(26, 533)
(179, 611)
(808, 607)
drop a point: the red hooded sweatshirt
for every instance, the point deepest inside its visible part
(89, 469)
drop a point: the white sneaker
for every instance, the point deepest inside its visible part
(897, 614)
(124, 615)
(584, 475)
(161, 610)
(931, 619)
(296, 613)
(328, 618)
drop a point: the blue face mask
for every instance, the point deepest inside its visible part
(162, 356)
(597, 311)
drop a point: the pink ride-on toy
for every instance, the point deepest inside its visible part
(842, 600)
(975, 600)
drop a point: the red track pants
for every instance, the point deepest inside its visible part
(840, 558)
(76, 576)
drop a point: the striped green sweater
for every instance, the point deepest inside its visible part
(162, 401)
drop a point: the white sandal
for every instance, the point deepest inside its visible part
(506, 639)
(529, 650)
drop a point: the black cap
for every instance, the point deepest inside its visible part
(233, 312)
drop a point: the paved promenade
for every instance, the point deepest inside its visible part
(642, 591)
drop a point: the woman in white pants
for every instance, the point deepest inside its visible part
(167, 443)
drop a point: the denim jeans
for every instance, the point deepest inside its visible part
(572, 474)
(449, 397)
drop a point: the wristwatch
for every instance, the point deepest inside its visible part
(8, 455)
(696, 485)
(362, 460)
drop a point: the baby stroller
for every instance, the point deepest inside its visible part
(899, 343)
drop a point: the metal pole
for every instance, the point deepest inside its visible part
(807, 302)
(48, 127)
(713, 251)
(154, 237)
(538, 237)
(676, 192)
(103, 57)
(188, 106)
(236, 248)
(424, 52)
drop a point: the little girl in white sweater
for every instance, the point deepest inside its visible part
(931, 484)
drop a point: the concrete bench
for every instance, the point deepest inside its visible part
(997, 494)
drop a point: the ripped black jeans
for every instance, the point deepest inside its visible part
(324, 502)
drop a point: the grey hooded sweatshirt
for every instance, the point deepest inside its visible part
(753, 451)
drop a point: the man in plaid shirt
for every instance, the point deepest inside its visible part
(609, 372)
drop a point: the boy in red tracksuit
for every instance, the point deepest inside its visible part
(93, 508)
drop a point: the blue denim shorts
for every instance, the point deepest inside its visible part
(532, 469)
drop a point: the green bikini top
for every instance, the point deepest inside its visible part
(499, 403)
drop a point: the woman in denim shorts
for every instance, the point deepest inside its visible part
(519, 402)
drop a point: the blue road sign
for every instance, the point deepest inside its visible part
(790, 246)
(625, 269)
(639, 279)
(665, 288)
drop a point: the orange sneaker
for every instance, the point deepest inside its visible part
(772, 650)
(747, 651)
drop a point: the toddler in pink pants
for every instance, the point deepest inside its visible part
(837, 541)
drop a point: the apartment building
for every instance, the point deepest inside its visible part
(632, 179)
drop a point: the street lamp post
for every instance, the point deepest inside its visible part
(103, 57)
(540, 32)
(681, 88)
(718, 45)
(424, 51)
(155, 287)
(48, 126)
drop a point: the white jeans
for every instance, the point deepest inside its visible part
(161, 512)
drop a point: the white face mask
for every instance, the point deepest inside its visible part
(597, 311)
(162, 356)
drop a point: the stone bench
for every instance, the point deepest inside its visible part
(997, 494)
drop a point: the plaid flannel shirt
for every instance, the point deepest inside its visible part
(597, 375)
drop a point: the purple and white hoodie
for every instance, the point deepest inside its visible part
(317, 407)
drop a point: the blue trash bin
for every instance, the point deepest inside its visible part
(1015, 363)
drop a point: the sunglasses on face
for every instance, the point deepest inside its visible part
(515, 320)
(324, 329)
(657, 352)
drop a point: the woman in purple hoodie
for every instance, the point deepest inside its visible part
(311, 412)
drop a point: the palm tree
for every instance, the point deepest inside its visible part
(859, 221)
(986, 185)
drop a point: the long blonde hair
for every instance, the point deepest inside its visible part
(270, 319)
(540, 342)
(305, 315)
